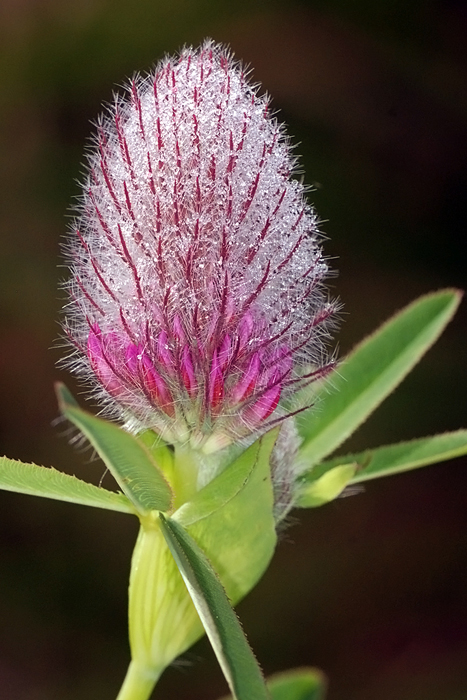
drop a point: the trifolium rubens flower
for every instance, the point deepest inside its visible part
(196, 301)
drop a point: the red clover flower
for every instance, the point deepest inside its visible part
(196, 305)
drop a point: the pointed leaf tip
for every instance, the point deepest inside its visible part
(64, 397)
(372, 371)
(129, 461)
(394, 459)
(47, 482)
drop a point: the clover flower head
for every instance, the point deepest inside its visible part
(196, 300)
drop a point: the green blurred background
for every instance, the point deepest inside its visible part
(371, 588)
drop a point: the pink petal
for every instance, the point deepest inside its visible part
(247, 383)
(101, 362)
(155, 385)
(224, 350)
(216, 383)
(164, 355)
(256, 414)
(188, 374)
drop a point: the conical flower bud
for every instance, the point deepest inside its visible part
(196, 299)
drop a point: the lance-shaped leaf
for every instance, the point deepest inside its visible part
(393, 459)
(297, 684)
(127, 459)
(222, 626)
(371, 372)
(47, 482)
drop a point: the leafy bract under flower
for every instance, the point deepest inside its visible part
(196, 301)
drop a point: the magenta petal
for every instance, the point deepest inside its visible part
(224, 351)
(263, 408)
(164, 354)
(154, 385)
(131, 359)
(101, 363)
(216, 383)
(280, 363)
(188, 373)
(142, 373)
(247, 383)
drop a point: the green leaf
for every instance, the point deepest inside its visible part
(128, 460)
(394, 459)
(327, 487)
(371, 372)
(233, 479)
(47, 482)
(232, 518)
(161, 453)
(222, 626)
(298, 684)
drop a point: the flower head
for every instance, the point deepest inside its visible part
(196, 299)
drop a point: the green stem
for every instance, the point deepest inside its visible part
(186, 468)
(138, 684)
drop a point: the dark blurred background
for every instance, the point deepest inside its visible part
(371, 588)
